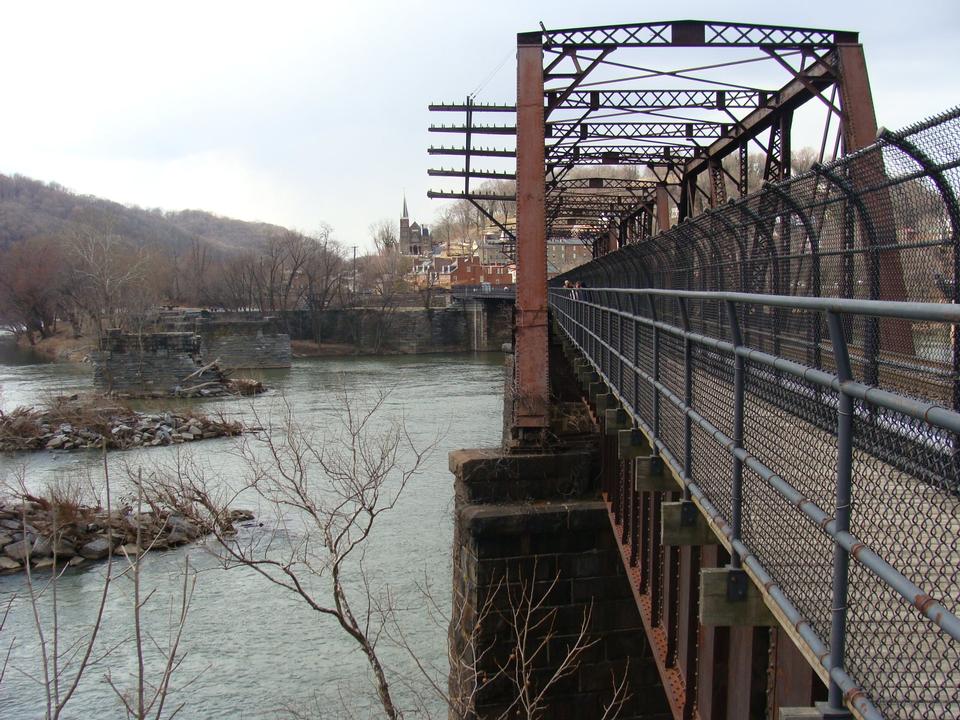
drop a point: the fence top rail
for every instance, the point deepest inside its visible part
(914, 310)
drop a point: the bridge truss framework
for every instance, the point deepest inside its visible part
(672, 228)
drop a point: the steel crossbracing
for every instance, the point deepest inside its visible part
(681, 104)
(794, 358)
(736, 88)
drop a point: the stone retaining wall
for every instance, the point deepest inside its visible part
(396, 330)
(477, 326)
(245, 344)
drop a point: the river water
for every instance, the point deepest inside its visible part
(253, 650)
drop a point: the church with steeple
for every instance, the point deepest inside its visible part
(414, 238)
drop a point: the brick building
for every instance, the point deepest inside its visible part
(564, 254)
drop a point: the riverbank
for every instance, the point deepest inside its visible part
(62, 346)
(85, 423)
(48, 534)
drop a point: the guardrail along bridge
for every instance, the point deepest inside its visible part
(733, 437)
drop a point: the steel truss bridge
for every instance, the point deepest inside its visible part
(787, 346)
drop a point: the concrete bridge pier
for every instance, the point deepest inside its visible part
(489, 322)
(535, 566)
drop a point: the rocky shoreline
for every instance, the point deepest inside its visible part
(71, 425)
(37, 533)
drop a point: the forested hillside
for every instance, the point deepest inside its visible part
(101, 264)
(29, 209)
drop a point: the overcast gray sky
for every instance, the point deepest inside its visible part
(301, 113)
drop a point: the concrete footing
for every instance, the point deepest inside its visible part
(682, 524)
(728, 598)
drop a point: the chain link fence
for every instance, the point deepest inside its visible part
(795, 355)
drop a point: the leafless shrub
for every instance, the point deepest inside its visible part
(327, 495)
(505, 640)
(67, 655)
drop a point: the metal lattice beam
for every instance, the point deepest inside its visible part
(610, 99)
(637, 130)
(694, 33)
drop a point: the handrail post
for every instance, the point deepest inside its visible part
(736, 482)
(656, 373)
(841, 560)
(687, 398)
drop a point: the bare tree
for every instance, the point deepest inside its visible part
(146, 697)
(66, 658)
(108, 274)
(337, 489)
(323, 269)
(532, 626)
(323, 275)
(62, 667)
(327, 494)
(383, 282)
(234, 288)
(32, 287)
(505, 639)
(384, 235)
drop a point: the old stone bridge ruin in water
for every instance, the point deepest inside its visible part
(732, 448)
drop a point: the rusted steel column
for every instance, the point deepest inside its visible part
(859, 117)
(688, 588)
(795, 682)
(860, 130)
(718, 186)
(747, 672)
(530, 333)
(713, 651)
(670, 613)
(663, 208)
(656, 560)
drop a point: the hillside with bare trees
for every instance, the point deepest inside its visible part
(96, 263)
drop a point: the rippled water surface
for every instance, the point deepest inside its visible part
(252, 649)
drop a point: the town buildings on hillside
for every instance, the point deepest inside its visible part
(447, 272)
(464, 261)
(492, 248)
(564, 254)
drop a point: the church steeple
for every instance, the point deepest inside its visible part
(405, 215)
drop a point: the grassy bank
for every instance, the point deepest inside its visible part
(62, 346)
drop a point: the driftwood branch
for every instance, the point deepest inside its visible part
(200, 371)
(196, 388)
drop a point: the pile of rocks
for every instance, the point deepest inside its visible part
(116, 427)
(137, 430)
(44, 536)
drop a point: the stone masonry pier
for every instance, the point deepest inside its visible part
(533, 553)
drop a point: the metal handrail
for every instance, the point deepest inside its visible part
(584, 313)
(934, 312)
